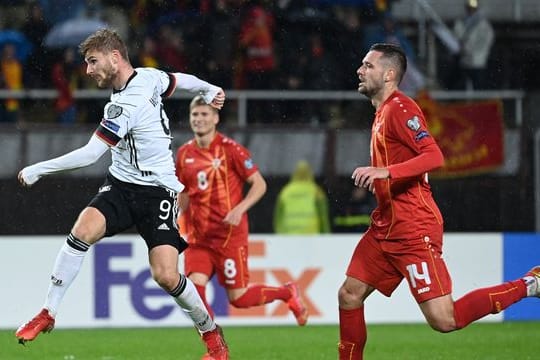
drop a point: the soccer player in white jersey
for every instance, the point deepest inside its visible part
(141, 187)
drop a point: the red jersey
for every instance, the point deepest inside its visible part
(400, 141)
(214, 180)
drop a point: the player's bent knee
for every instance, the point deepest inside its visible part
(238, 304)
(167, 281)
(348, 299)
(90, 226)
(86, 234)
(443, 325)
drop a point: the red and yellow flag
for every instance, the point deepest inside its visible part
(470, 135)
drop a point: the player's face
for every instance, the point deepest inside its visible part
(371, 74)
(101, 67)
(203, 120)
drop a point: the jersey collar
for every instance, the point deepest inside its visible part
(127, 83)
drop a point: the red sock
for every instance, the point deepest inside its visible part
(352, 334)
(256, 295)
(490, 300)
(202, 293)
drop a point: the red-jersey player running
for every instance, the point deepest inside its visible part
(406, 234)
(214, 169)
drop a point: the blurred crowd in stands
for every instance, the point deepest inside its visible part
(238, 44)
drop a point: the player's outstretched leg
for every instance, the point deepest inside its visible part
(42, 322)
(532, 280)
(215, 345)
(296, 304)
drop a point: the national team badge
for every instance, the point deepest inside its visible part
(414, 123)
(114, 111)
(216, 163)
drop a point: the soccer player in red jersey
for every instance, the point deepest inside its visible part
(406, 232)
(214, 169)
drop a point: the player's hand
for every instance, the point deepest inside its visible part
(27, 177)
(366, 175)
(218, 100)
(233, 217)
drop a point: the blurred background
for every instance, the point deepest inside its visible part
(289, 71)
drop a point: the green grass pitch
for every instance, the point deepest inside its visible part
(485, 341)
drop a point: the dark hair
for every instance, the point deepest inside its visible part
(395, 54)
(104, 40)
(199, 101)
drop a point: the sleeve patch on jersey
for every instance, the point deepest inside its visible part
(107, 135)
(421, 135)
(114, 111)
(111, 125)
(248, 164)
(413, 123)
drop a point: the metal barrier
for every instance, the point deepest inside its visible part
(243, 97)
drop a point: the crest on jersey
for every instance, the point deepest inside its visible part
(216, 163)
(414, 123)
(114, 111)
(248, 164)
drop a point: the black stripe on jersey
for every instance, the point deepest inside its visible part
(132, 150)
(171, 87)
(107, 135)
(133, 154)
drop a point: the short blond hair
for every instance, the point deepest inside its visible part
(199, 101)
(104, 40)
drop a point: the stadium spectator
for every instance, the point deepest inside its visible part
(11, 78)
(220, 52)
(405, 239)
(214, 169)
(65, 77)
(35, 27)
(147, 56)
(301, 206)
(257, 46)
(170, 49)
(256, 67)
(476, 37)
(138, 191)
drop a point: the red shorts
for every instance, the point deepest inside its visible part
(229, 264)
(384, 263)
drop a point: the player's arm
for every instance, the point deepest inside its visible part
(212, 95)
(257, 188)
(431, 158)
(84, 156)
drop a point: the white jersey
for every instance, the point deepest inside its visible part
(137, 129)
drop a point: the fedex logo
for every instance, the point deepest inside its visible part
(143, 291)
(105, 279)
